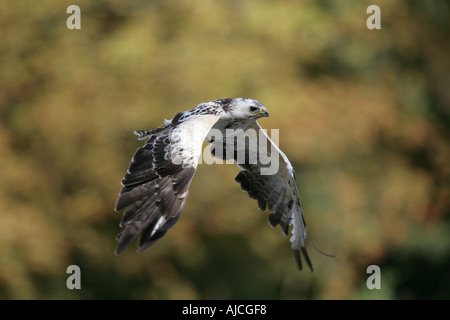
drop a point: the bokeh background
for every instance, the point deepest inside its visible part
(363, 116)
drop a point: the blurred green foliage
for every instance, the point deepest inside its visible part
(363, 116)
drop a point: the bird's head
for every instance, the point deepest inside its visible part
(243, 108)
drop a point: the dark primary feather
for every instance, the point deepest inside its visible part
(298, 259)
(153, 187)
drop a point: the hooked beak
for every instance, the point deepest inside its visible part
(262, 113)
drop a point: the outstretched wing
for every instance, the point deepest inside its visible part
(157, 182)
(269, 178)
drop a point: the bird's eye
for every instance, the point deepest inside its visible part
(253, 108)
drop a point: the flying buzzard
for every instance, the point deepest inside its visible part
(157, 182)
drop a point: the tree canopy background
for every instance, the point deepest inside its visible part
(363, 116)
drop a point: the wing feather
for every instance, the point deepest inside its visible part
(277, 192)
(157, 181)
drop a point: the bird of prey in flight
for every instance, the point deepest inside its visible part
(155, 187)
